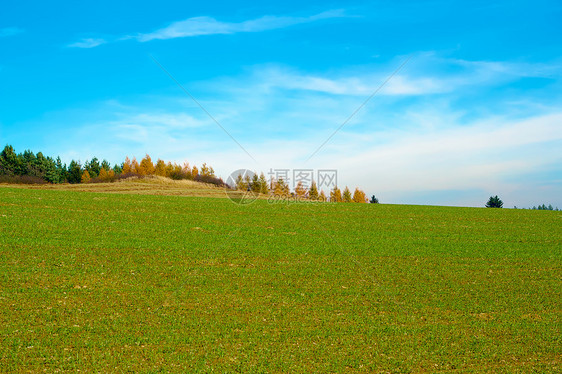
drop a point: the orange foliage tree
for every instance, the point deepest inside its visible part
(359, 196)
(146, 166)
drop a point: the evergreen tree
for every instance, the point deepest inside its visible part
(105, 165)
(256, 186)
(494, 202)
(93, 167)
(9, 162)
(61, 169)
(74, 172)
(374, 200)
(118, 169)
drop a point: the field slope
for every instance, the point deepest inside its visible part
(135, 282)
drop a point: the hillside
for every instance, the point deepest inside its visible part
(101, 282)
(150, 185)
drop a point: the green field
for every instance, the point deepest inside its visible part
(124, 282)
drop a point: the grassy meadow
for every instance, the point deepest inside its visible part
(116, 282)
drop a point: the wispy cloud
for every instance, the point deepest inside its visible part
(426, 74)
(87, 43)
(10, 31)
(197, 26)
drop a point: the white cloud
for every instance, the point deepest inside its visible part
(197, 26)
(415, 79)
(10, 31)
(88, 43)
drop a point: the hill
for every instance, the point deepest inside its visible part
(102, 282)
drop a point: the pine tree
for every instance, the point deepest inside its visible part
(74, 172)
(85, 177)
(105, 165)
(256, 186)
(93, 167)
(374, 200)
(118, 169)
(359, 196)
(322, 197)
(313, 192)
(9, 164)
(494, 202)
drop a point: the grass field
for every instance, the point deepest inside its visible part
(101, 282)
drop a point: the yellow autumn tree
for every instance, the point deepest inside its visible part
(359, 196)
(300, 191)
(186, 171)
(85, 177)
(127, 167)
(347, 198)
(135, 167)
(313, 192)
(194, 172)
(103, 176)
(335, 195)
(264, 186)
(160, 168)
(322, 196)
(280, 188)
(207, 171)
(146, 166)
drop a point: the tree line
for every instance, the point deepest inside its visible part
(279, 188)
(28, 167)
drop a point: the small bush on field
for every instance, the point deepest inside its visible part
(209, 179)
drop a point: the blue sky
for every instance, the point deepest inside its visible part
(475, 111)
